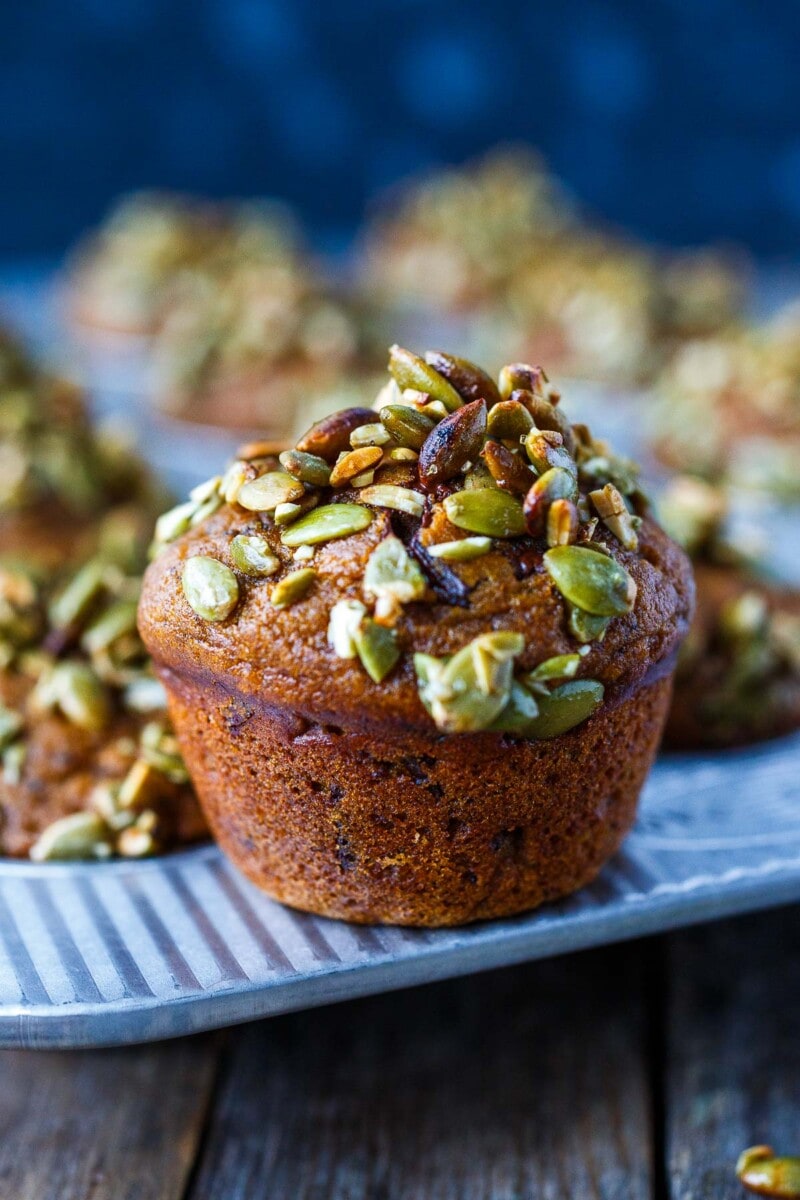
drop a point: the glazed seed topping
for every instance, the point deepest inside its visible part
(445, 448)
(210, 588)
(762, 1171)
(292, 587)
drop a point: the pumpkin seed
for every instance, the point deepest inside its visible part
(467, 692)
(520, 377)
(487, 511)
(392, 572)
(565, 707)
(265, 493)
(407, 427)
(547, 416)
(251, 555)
(586, 628)
(330, 436)
(562, 523)
(613, 512)
(11, 725)
(470, 381)
(170, 525)
(402, 454)
(13, 760)
(292, 587)
(134, 842)
(326, 523)
(286, 514)
(369, 435)
(461, 551)
(545, 449)
(518, 713)
(202, 492)
(80, 594)
(137, 786)
(118, 620)
(262, 448)
(82, 835)
(377, 647)
(760, 1170)
(561, 666)
(345, 618)
(76, 691)
(410, 371)
(389, 495)
(509, 421)
(210, 587)
(234, 479)
(352, 463)
(508, 469)
(308, 468)
(594, 582)
(453, 443)
(555, 484)
(303, 554)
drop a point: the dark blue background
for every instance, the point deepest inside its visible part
(677, 118)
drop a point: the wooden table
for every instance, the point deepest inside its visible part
(638, 1071)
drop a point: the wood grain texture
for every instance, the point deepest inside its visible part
(104, 1125)
(527, 1084)
(732, 1050)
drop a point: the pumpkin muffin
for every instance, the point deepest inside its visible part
(738, 675)
(419, 666)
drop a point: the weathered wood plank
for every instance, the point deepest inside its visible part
(733, 1049)
(104, 1125)
(527, 1084)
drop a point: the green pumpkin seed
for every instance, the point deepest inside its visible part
(463, 550)
(76, 691)
(453, 443)
(565, 707)
(11, 726)
(389, 495)
(268, 491)
(209, 587)
(287, 514)
(292, 587)
(83, 835)
(308, 468)
(326, 523)
(170, 525)
(471, 382)
(13, 760)
(117, 621)
(377, 647)
(408, 427)
(520, 377)
(518, 714)
(545, 449)
(509, 421)
(487, 511)
(331, 436)
(345, 618)
(467, 692)
(586, 628)
(561, 666)
(508, 469)
(80, 594)
(251, 555)
(369, 435)
(592, 581)
(762, 1171)
(392, 572)
(555, 484)
(410, 371)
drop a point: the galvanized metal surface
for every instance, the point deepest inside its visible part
(126, 952)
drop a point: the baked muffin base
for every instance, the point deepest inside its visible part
(408, 827)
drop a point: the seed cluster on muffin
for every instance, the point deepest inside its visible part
(364, 636)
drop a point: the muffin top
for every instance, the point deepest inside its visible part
(459, 557)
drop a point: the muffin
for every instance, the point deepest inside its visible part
(738, 675)
(88, 764)
(419, 666)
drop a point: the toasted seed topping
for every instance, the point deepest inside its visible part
(561, 666)
(467, 692)
(612, 510)
(586, 628)
(82, 835)
(286, 514)
(377, 648)
(410, 371)
(509, 421)
(470, 381)
(487, 511)
(452, 443)
(370, 435)
(265, 493)
(565, 707)
(345, 618)
(292, 587)
(563, 523)
(407, 427)
(555, 484)
(461, 551)
(326, 523)
(507, 467)
(210, 587)
(591, 581)
(252, 555)
(392, 572)
(308, 468)
(760, 1170)
(330, 436)
(386, 495)
(352, 463)
(76, 692)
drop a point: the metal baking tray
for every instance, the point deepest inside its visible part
(106, 954)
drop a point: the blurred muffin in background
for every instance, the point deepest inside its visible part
(253, 345)
(122, 277)
(88, 763)
(738, 677)
(65, 486)
(729, 406)
(452, 240)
